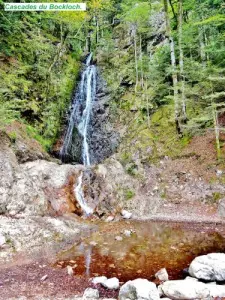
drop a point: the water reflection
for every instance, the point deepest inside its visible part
(150, 247)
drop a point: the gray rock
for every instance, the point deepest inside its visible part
(90, 294)
(111, 284)
(209, 267)
(185, 290)
(162, 275)
(139, 289)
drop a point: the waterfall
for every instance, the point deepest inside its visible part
(80, 119)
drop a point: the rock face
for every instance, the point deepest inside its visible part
(139, 289)
(209, 267)
(103, 137)
(185, 290)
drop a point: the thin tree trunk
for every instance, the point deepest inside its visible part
(174, 69)
(147, 102)
(202, 47)
(141, 60)
(136, 62)
(181, 60)
(217, 132)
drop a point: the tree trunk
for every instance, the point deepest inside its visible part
(174, 69)
(136, 62)
(141, 60)
(181, 61)
(202, 46)
(217, 131)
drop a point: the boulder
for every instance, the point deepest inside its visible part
(185, 290)
(209, 267)
(90, 294)
(111, 284)
(139, 289)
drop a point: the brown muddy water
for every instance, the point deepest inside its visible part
(151, 246)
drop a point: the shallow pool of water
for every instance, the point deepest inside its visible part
(152, 246)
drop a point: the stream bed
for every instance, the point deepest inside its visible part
(150, 247)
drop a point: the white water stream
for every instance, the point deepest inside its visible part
(84, 97)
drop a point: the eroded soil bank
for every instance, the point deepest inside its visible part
(149, 247)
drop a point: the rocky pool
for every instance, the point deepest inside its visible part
(132, 249)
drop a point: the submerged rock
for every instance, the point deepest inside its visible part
(139, 289)
(209, 267)
(90, 294)
(185, 290)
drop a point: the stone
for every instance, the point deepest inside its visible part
(185, 290)
(100, 279)
(191, 278)
(209, 267)
(90, 294)
(70, 270)
(118, 238)
(162, 275)
(44, 277)
(109, 219)
(219, 173)
(216, 290)
(111, 284)
(126, 214)
(139, 289)
(127, 233)
(221, 208)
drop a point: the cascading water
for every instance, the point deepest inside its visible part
(80, 119)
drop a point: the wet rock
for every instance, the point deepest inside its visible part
(185, 290)
(100, 279)
(221, 208)
(111, 284)
(126, 214)
(139, 289)
(162, 275)
(90, 294)
(209, 267)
